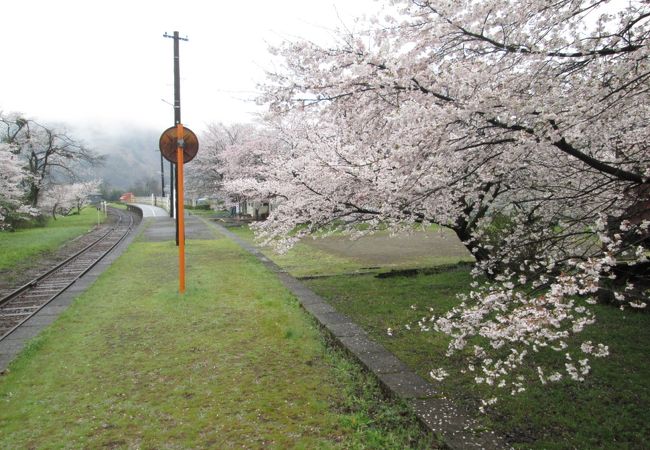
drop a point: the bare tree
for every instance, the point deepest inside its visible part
(46, 150)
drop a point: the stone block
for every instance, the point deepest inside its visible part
(318, 308)
(455, 427)
(407, 384)
(358, 345)
(382, 362)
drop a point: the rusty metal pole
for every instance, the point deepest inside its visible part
(181, 208)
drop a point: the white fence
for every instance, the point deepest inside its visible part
(154, 200)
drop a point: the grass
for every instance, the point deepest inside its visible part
(610, 409)
(233, 363)
(21, 247)
(306, 259)
(206, 212)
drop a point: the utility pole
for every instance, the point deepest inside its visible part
(177, 121)
(171, 191)
(162, 177)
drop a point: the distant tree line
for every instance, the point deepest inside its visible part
(41, 169)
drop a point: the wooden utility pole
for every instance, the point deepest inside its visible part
(177, 120)
(162, 177)
(172, 207)
(180, 210)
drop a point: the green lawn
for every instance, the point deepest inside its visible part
(311, 257)
(234, 363)
(611, 409)
(22, 246)
(303, 259)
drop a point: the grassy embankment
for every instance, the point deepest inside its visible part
(233, 363)
(20, 248)
(611, 409)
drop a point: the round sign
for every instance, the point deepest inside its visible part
(169, 143)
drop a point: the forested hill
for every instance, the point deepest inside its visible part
(131, 152)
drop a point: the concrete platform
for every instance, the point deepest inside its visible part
(159, 229)
(151, 211)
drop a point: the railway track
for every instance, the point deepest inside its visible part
(22, 303)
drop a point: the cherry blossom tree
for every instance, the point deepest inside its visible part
(63, 198)
(44, 150)
(520, 124)
(234, 157)
(205, 174)
(82, 192)
(12, 196)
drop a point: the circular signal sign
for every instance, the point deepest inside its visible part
(168, 144)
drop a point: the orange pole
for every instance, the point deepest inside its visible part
(181, 211)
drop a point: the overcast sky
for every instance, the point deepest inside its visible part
(106, 60)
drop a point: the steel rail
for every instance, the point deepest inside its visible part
(67, 283)
(34, 282)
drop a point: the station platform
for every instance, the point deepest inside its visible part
(163, 228)
(151, 211)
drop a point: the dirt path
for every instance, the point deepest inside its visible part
(382, 248)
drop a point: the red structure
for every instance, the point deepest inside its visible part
(127, 197)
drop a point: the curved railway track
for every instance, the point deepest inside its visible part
(21, 304)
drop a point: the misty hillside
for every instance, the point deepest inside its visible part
(131, 152)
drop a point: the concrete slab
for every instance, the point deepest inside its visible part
(4, 362)
(382, 362)
(407, 384)
(359, 345)
(63, 301)
(160, 229)
(334, 318)
(22, 333)
(318, 308)
(345, 329)
(40, 320)
(195, 229)
(53, 309)
(10, 348)
(305, 295)
(77, 288)
(95, 271)
(151, 211)
(443, 417)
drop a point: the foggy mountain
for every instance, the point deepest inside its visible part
(131, 152)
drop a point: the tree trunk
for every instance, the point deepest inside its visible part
(464, 233)
(32, 196)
